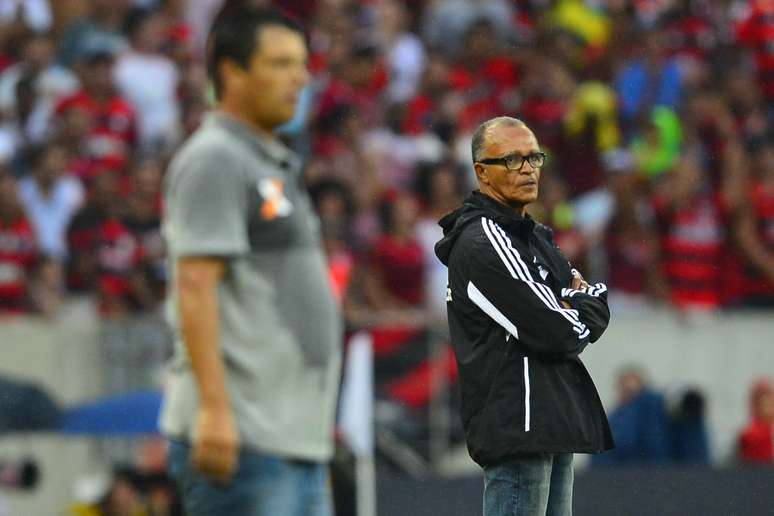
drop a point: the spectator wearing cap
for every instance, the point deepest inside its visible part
(97, 32)
(112, 119)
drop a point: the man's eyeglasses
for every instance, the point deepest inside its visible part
(515, 162)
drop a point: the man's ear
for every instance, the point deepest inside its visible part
(231, 73)
(481, 174)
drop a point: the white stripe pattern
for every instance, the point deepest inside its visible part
(491, 310)
(526, 395)
(547, 292)
(594, 290)
(519, 270)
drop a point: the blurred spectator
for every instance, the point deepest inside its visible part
(47, 287)
(648, 79)
(51, 198)
(657, 144)
(143, 219)
(396, 270)
(335, 207)
(691, 233)
(34, 14)
(18, 254)
(403, 50)
(51, 82)
(446, 21)
(619, 93)
(754, 232)
(757, 32)
(631, 245)
(112, 124)
(149, 80)
(690, 444)
(756, 442)
(438, 187)
(99, 32)
(556, 211)
(639, 423)
(82, 233)
(591, 25)
(122, 285)
(483, 76)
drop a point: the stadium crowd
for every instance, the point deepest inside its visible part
(657, 118)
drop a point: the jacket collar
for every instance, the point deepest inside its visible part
(523, 226)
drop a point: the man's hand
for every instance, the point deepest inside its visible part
(215, 451)
(578, 282)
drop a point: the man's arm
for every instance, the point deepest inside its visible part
(591, 303)
(206, 225)
(216, 440)
(499, 282)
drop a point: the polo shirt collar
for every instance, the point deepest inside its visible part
(266, 146)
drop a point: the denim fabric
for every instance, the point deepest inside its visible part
(538, 484)
(264, 485)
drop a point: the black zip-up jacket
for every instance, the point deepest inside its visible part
(524, 389)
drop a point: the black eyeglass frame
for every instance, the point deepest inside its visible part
(535, 160)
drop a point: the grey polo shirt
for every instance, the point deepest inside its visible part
(234, 194)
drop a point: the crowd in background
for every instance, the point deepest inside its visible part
(656, 116)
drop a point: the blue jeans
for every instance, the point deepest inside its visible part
(264, 485)
(537, 484)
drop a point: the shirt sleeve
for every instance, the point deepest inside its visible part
(500, 283)
(591, 304)
(206, 207)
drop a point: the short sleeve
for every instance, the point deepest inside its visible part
(206, 205)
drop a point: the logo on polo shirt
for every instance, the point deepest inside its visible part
(275, 204)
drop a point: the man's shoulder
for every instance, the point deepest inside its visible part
(544, 231)
(474, 241)
(208, 146)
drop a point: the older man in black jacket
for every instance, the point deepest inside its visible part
(519, 317)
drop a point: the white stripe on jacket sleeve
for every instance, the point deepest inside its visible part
(518, 270)
(480, 300)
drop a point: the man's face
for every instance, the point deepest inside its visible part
(277, 73)
(511, 187)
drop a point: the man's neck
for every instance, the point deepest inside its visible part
(234, 111)
(518, 209)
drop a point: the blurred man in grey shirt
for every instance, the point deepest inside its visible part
(250, 409)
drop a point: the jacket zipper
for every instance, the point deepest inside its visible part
(526, 395)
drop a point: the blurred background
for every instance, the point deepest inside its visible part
(657, 117)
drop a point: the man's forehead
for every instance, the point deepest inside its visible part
(276, 38)
(510, 138)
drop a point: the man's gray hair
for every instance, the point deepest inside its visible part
(479, 137)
